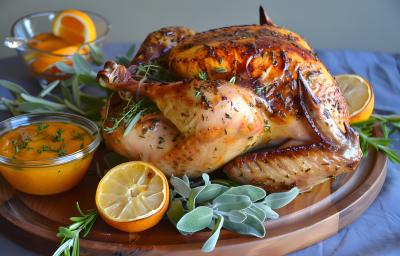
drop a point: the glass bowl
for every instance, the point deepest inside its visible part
(54, 175)
(40, 61)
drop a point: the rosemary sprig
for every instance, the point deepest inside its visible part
(70, 235)
(130, 115)
(389, 124)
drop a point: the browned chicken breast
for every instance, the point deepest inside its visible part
(254, 100)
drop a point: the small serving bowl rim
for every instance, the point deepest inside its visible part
(24, 120)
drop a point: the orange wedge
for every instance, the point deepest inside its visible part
(74, 26)
(48, 42)
(359, 96)
(45, 62)
(133, 196)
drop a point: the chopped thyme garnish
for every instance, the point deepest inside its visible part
(15, 145)
(197, 92)
(45, 148)
(232, 80)
(77, 135)
(202, 75)
(220, 70)
(81, 146)
(40, 127)
(58, 137)
(259, 90)
(267, 127)
(220, 60)
(61, 152)
(23, 144)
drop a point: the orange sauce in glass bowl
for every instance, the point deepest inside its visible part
(42, 145)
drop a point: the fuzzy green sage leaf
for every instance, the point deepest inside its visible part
(195, 220)
(278, 200)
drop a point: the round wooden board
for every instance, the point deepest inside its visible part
(313, 216)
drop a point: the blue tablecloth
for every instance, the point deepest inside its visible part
(377, 231)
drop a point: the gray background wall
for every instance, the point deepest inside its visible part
(353, 24)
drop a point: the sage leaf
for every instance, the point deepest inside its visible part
(175, 211)
(123, 60)
(227, 203)
(270, 214)
(76, 90)
(30, 107)
(257, 212)
(195, 220)
(210, 192)
(65, 92)
(253, 192)
(10, 107)
(44, 102)
(81, 66)
(227, 183)
(180, 186)
(13, 87)
(131, 51)
(209, 245)
(236, 216)
(74, 108)
(89, 80)
(185, 178)
(206, 178)
(132, 123)
(251, 226)
(278, 200)
(96, 54)
(65, 68)
(193, 195)
(50, 87)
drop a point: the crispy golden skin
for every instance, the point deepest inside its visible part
(283, 122)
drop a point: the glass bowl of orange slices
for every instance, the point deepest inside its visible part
(46, 39)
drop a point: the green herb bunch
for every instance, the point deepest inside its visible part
(70, 235)
(131, 114)
(66, 95)
(389, 125)
(241, 209)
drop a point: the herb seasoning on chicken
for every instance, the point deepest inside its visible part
(254, 100)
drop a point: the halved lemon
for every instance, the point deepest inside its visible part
(133, 196)
(74, 26)
(359, 96)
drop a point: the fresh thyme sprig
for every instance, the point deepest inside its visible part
(130, 115)
(70, 235)
(389, 124)
(155, 72)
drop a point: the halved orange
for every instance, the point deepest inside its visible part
(359, 96)
(133, 196)
(74, 26)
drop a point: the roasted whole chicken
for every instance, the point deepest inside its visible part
(253, 100)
